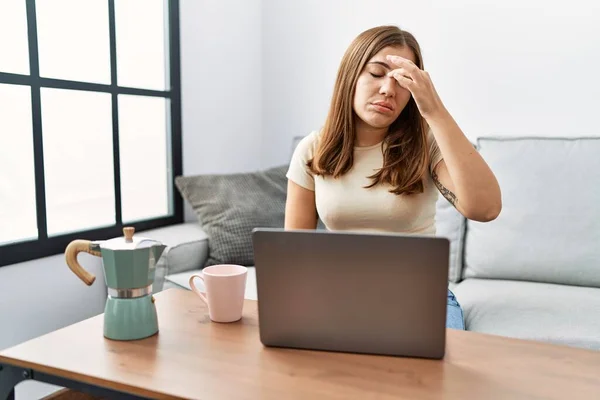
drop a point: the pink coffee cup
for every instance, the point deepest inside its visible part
(225, 287)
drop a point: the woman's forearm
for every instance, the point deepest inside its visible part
(473, 182)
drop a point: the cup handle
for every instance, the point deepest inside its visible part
(195, 289)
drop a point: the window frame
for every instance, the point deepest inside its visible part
(44, 246)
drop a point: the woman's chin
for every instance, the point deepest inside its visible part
(379, 122)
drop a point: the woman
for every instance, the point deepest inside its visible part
(387, 147)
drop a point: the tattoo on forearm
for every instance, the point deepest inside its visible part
(451, 197)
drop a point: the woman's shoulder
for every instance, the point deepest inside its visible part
(307, 145)
(298, 170)
(430, 137)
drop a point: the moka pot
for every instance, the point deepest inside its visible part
(129, 268)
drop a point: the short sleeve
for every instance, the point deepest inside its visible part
(435, 155)
(298, 172)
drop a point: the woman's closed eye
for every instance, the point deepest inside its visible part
(376, 75)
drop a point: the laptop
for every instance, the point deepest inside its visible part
(366, 293)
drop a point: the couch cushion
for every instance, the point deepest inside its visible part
(549, 227)
(187, 248)
(552, 313)
(451, 225)
(230, 206)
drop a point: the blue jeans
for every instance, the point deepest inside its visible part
(454, 314)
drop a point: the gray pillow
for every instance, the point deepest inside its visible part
(229, 206)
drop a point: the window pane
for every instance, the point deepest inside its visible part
(143, 144)
(17, 178)
(141, 51)
(73, 40)
(14, 48)
(78, 160)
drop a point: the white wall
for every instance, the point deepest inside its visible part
(221, 68)
(510, 67)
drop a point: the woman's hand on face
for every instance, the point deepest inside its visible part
(419, 83)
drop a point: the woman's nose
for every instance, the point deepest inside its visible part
(388, 87)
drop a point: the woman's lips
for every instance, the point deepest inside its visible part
(382, 107)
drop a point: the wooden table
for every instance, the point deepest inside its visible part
(192, 357)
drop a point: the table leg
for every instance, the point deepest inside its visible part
(10, 376)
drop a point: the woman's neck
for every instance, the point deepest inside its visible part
(367, 135)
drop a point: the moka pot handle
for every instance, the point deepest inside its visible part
(73, 249)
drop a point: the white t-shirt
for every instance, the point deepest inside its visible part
(343, 204)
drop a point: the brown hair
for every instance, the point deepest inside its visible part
(406, 155)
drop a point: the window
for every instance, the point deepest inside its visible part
(90, 121)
